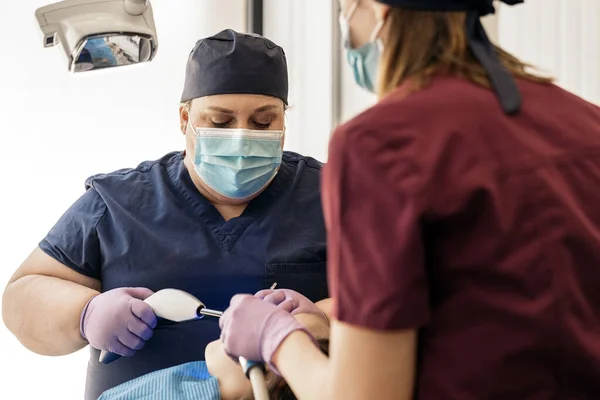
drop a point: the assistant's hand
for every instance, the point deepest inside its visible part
(118, 321)
(254, 329)
(290, 301)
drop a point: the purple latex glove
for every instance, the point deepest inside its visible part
(254, 329)
(290, 301)
(118, 321)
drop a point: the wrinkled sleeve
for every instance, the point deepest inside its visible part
(376, 270)
(73, 241)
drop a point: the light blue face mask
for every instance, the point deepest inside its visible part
(237, 163)
(363, 60)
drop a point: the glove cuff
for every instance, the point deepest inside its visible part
(282, 332)
(82, 317)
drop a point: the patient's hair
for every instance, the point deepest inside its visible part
(278, 388)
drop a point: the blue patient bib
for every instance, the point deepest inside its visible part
(189, 381)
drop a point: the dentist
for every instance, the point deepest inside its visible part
(232, 213)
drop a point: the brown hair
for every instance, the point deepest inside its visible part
(278, 388)
(421, 44)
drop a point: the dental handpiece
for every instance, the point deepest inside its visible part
(174, 305)
(202, 311)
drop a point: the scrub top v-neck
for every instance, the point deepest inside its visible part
(150, 227)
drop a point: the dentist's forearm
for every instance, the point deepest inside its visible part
(43, 313)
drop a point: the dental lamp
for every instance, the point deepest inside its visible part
(98, 34)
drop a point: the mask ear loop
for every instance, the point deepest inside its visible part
(376, 31)
(344, 21)
(191, 126)
(351, 10)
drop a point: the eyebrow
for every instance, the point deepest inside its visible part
(228, 111)
(220, 109)
(266, 108)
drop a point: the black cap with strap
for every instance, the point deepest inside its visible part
(501, 80)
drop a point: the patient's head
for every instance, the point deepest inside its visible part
(233, 382)
(277, 386)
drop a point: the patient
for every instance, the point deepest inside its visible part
(219, 378)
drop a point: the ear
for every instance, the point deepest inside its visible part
(184, 116)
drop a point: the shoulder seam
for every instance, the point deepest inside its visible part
(319, 168)
(305, 160)
(137, 169)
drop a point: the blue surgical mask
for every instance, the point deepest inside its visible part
(237, 163)
(363, 60)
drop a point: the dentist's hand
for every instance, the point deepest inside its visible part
(290, 301)
(118, 321)
(254, 329)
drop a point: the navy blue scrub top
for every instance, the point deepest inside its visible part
(150, 227)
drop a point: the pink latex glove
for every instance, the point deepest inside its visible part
(118, 321)
(290, 301)
(254, 329)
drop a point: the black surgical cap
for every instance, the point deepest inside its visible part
(236, 63)
(501, 80)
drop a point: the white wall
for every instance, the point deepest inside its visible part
(304, 28)
(559, 36)
(57, 129)
(322, 92)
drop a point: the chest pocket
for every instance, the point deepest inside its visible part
(310, 279)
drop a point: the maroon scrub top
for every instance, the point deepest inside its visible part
(482, 230)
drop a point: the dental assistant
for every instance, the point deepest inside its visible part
(232, 213)
(463, 225)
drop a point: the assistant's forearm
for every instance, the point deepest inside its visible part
(43, 313)
(304, 367)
